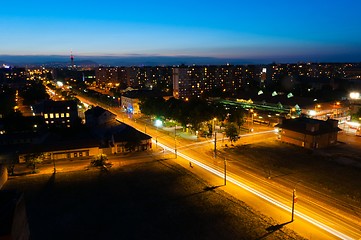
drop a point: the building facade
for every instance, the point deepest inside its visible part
(308, 133)
(98, 116)
(59, 114)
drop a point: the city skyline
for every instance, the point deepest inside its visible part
(255, 32)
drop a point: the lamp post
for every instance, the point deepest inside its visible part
(294, 200)
(53, 163)
(225, 172)
(175, 141)
(215, 138)
(253, 115)
(251, 111)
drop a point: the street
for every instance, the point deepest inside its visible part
(313, 207)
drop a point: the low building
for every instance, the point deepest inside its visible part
(65, 145)
(339, 110)
(130, 103)
(128, 139)
(308, 133)
(131, 100)
(59, 114)
(98, 116)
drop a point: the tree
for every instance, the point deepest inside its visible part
(34, 93)
(357, 115)
(7, 99)
(236, 116)
(232, 132)
(198, 111)
(32, 159)
(101, 161)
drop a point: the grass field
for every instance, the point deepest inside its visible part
(147, 200)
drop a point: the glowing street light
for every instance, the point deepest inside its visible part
(158, 123)
(355, 95)
(215, 138)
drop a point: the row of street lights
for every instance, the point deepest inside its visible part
(294, 197)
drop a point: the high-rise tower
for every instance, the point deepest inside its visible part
(72, 59)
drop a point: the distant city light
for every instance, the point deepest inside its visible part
(60, 84)
(355, 95)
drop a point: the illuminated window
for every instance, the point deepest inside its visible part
(67, 115)
(47, 122)
(62, 115)
(56, 115)
(45, 115)
(51, 115)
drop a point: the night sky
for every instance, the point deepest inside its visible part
(309, 30)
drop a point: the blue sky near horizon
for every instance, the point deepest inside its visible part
(317, 30)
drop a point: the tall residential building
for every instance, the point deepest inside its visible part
(196, 81)
(176, 83)
(106, 76)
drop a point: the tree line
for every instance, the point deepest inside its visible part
(194, 113)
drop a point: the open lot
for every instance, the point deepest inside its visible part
(157, 199)
(335, 171)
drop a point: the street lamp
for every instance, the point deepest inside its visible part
(215, 138)
(253, 114)
(294, 200)
(251, 111)
(54, 164)
(225, 172)
(175, 141)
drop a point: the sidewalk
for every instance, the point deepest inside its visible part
(47, 167)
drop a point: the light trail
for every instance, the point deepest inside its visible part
(258, 133)
(259, 194)
(219, 140)
(253, 191)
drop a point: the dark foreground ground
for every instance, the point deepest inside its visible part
(152, 200)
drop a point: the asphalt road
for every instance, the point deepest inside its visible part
(332, 215)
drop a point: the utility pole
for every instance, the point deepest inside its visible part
(54, 163)
(215, 138)
(175, 141)
(225, 172)
(215, 143)
(294, 200)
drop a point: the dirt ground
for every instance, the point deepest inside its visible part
(334, 171)
(148, 200)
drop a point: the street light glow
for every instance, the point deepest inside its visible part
(354, 95)
(158, 123)
(312, 113)
(259, 194)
